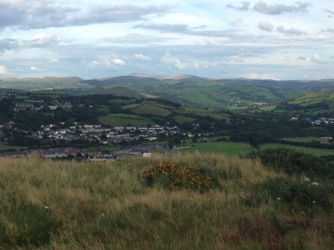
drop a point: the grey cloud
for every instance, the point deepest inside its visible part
(328, 30)
(278, 9)
(317, 59)
(7, 44)
(290, 32)
(185, 29)
(11, 15)
(42, 14)
(330, 12)
(238, 21)
(135, 38)
(119, 13)
(41, 41)
(266, 26)
(244, 6)
(301, 58)
(170, 28)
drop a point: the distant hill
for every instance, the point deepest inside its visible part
(116, 91)
(45, 83)
(232, 94)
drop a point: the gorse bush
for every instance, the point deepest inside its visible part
(174, 177)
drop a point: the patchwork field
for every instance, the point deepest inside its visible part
(121, 120)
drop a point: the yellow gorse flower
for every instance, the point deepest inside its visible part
(176, 177)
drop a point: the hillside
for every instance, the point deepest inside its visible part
(311, 104)
(232, 94)
(198, 201)
(45, 83)
(115, 91)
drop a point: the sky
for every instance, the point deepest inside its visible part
(268, 39)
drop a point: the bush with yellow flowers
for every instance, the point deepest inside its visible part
(173, 177)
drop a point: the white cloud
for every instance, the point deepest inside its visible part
(33, 68)
(290, 32)
(142, 57)
(317, 59)
(260, 76)
(173, 61)
(3, 70)
(117, 61)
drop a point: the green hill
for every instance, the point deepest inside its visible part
(312, 103)
(45, 83)
(116, 91)
(228, 94)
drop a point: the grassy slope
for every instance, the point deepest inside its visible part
(70, 205)
(240, 148)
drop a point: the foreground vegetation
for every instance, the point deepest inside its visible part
(188, 201)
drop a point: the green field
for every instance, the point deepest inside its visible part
(151, 109)
(121, 120)
(6, 147)
(307, 139)
(182, 119)
(122, 101)
(312, 151)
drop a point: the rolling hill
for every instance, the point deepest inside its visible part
(228, 94)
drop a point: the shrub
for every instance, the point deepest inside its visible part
(293, 162)
(174, 177)
(300, 195)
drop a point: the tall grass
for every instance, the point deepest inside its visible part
(108, 205)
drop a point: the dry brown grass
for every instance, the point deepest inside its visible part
(107, 205)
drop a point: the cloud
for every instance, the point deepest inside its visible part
(173, 61)
(260, 76)
(7, 44)
(3, 70)
(186, 30)
(290, 32)
(116, 61)
(142, 57)
(317, 59)
(238, 21)
(166, 28)
(244, 6)
(265, 26)
(47, 13)
(119, 13)
(301, 58)
(329, 12)
(136, 38)
(328, 30)
(41, 40)
(278, 9)
(33, 68)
